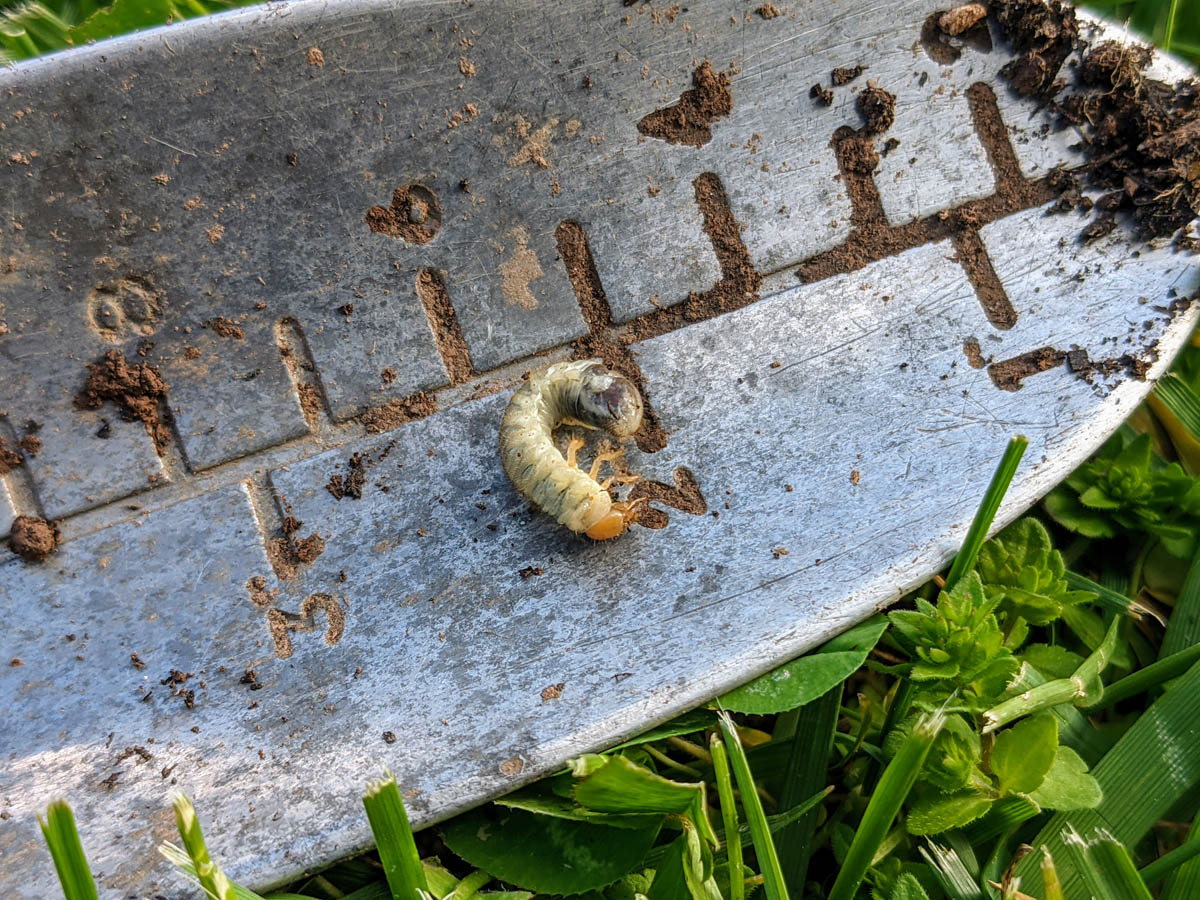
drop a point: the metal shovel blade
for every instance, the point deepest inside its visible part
(309, 249)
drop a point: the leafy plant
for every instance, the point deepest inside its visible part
(1126, 488)
(1021, 567)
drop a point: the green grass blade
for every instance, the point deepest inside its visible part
(1169, 28)
(764, 844)
(1152, 676)
(729, 816)
(394, 839)
(951, 874)
(1137, 791)
(885, 803)
(62, 839)
(1105, 596)
(1183, 628)
(207, 872)
(1050, 881)
(1083, 685)
(807, 772)
(469, 886)
(1156, 871)
(1105, 867)
(964, 562)
(1180, 400)
(1184, 882)
(178, 858)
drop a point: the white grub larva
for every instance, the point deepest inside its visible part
(570, 393)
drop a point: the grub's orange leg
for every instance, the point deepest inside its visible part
(617, 522)
(573, 448)
(609, 456)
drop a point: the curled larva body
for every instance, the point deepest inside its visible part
(580, 393)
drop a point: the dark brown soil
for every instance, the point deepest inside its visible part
(33, 539)
(1142, 136)
(447, 333)
(581, 270)
(1008, 374)
(878, 107)
(846, 74)
(414, 216)
(1144, 139)
(600, 343)
(137, 389)
(9, 458)
(822, 95)
(689, 121)
(398, 412)
(31, 444)
(225, 328)
(769, 11)
(351, 484)
(684, 496)
(738, 287)
(974, 259)
(946, 32)
(1043, 35)
(309, 548)
(974, 353)
(287, 555)
(1125, 364)
(873, 238)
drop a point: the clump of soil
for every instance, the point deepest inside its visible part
(137, 389)
(414, 216)
(878, 107)
(257, 588)
(1008, 374)
(946, 32)
(846, 74)
(351, 484)
(1043, 34)
(822, 94)
(176, 683)
(1144, 139)
(286, 554)
(398, 412)
(309, 548)
(689, 121)
(769, 11)
(1142, 136)
(9, 458)
(1126, 364)
(225, 328)
(961, 18)
(33, 539)
(31, 444)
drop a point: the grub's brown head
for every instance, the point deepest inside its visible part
(610, 401)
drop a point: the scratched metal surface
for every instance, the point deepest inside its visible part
(223, 168)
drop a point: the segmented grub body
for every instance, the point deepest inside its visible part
(579, 393)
